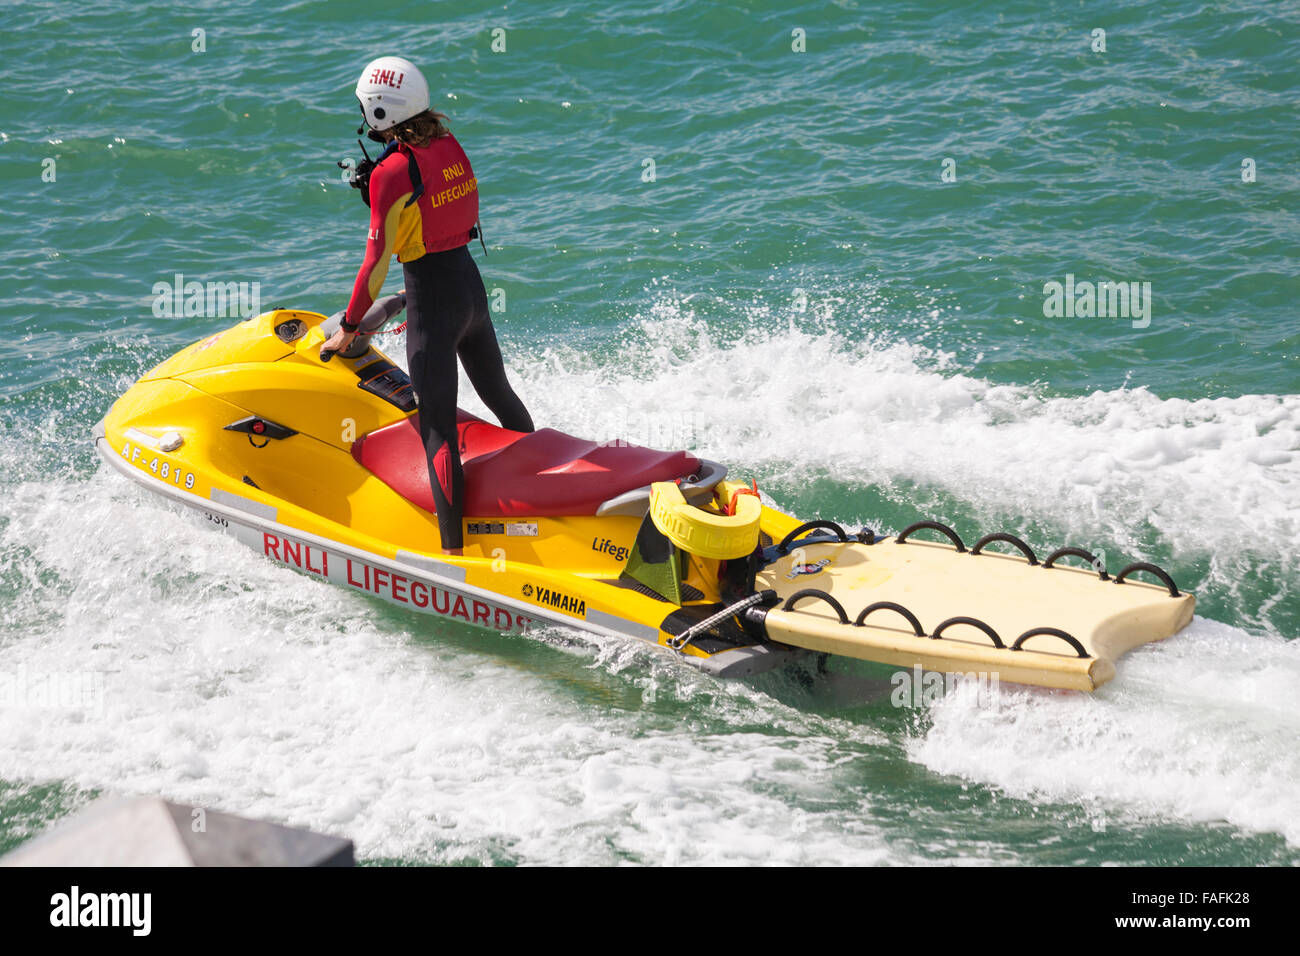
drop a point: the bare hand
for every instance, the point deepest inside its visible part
(337, 343)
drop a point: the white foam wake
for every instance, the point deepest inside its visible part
(230, 682)
(1202, 728)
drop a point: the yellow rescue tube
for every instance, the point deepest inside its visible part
(703, 533)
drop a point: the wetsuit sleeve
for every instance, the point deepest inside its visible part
(390, 187)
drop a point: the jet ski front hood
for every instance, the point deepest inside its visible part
(251, 341)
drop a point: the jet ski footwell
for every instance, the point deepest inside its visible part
(613, 539)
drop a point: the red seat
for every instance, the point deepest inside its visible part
(517, 474)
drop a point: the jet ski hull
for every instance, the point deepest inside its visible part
(314, 466)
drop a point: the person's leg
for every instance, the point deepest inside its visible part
(431, 357)
(481, 355)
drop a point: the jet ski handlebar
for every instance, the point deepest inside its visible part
(374, 319)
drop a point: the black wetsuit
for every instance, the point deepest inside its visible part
(448, 317)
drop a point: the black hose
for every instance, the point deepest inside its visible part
(1164, 577)
(1054, 632)
(973, 622)
(891, 606)
(784, 546)
(820, 595)
(934, 525)
(1024, 549)
(1076, 553)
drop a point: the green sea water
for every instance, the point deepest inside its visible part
(815, 241)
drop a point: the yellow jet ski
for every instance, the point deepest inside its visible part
(318, 465)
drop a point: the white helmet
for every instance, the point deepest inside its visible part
(391, 91)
